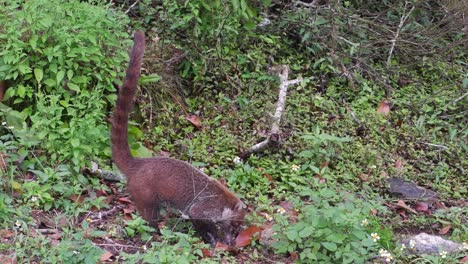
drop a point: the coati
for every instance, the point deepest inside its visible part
(215, 212)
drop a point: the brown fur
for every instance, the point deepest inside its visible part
(215, 211)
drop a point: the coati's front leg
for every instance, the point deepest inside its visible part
(207, 230)
(148, 211)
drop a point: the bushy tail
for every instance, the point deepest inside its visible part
(119, 132)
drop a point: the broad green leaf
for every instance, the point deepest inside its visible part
(330, 246)
(60, 76)
(73, 87)
(38, 74)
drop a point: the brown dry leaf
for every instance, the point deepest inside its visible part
(286, 205)
(445, 230)
(222, 246)
(293, 256)
(421, 206)
(6, 233)
(246, 236)
(268, 177)
(206, 253)
(76, 198)
(384, 108)
(165, 154)
(374, 212)
(55, 236)
(194, 120)
(129, 209)
(364, 177)
(124, 200)
(8, 259)
(403, 205)
(105, 256)
(399, 164)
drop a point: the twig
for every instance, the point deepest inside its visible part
(433, 145)
(459, 98)
(95, 217)
(273, 137)
(112, 243)
(132, 6)
(397, 34)
(104, 174)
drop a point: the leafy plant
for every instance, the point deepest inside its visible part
(61, 61)
(329, 230)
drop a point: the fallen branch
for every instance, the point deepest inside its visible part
(104, 174)
(274, 137)
(403, 18)
(96, 217)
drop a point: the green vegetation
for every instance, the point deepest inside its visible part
(322, 193)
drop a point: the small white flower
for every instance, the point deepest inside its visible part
(3, 123)
(237, 160)
(365, 222)
(268, 217)
(388, 258)
(144, 247)
(443, 254)
(34, 199)
(17, 223)
(375, 237)
(281, 210)
(385, 254)
(465, 245)
(76, 252)
(295, 167)
(202, 169)
(402, 247)
(412, 243)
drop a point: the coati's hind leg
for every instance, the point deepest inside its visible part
(207, 230)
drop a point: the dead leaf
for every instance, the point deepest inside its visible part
(403, 205)
(105, 256)
(268, 177)
(399, 164)
(445, 230)
(76, 198)
(55, 236)
(286, 205)
(364, 177)
(6, 233)
(293, 256)
(11, 259)
(246, 236)
(421, 207)
(194, 120)
(125, 200)
(222, 246)
(384, 108)
(165, 154)
(374, 212)
(206, 253)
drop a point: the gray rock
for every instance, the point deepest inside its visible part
(425, 244)
(410, 190)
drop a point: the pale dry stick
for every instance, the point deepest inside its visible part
(397, 34)
(283, 73)
(112, 243)
(132, 6)
(433, 145)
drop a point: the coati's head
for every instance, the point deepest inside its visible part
(231, 221)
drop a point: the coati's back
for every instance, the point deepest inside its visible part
(213, 209)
